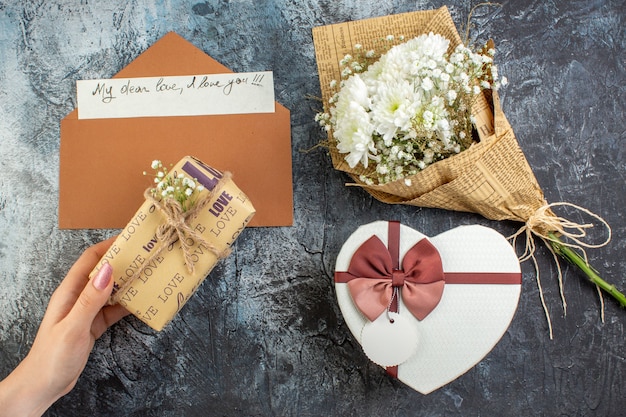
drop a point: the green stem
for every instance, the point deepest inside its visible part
(573, 257)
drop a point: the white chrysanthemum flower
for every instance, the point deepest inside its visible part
(353, 131)
(393, 110)
(434, 45)
(357, 91)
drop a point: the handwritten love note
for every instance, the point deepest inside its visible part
(191, 95)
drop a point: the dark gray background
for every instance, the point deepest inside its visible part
(264, 336)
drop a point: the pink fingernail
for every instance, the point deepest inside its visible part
(103, 277)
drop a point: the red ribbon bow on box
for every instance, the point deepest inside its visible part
(374, 274)
(372, 277)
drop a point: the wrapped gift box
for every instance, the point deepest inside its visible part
(427, 309)
(154, 278)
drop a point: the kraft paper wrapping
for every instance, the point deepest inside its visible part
(491, 178)
(165, 284)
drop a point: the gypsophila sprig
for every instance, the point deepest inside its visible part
(176, 186)
(406, 104)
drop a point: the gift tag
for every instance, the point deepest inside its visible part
(389, 340)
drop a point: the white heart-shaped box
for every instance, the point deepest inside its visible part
(469, 319)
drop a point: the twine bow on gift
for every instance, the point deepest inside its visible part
(176, 227)
(374, 278)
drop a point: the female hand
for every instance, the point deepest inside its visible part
(76, 316)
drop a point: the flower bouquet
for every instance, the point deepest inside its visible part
(416, 119)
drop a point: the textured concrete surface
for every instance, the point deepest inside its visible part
(264, 336)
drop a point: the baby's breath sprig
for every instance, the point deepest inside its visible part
(175, 185)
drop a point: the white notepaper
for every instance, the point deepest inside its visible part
(190, 95)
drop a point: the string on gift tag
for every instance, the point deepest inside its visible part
(545, 225)
(394, 296)
(176, 228)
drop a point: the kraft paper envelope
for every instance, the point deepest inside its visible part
(102, 160)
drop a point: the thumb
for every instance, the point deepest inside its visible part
(95, 294)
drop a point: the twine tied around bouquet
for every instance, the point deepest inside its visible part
(176, 228)
(546, 225)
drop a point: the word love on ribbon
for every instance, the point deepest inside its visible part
(374, 275)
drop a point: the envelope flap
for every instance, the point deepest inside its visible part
(182, 56)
